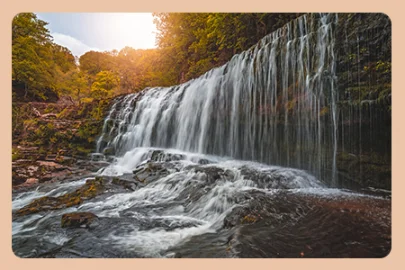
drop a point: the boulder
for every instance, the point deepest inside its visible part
(31, 181)
(78, 219)
(89, 190)
(124, 183)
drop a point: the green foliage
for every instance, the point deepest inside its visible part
(63, 58)
(75, 84)
(37, 62)
(104, 85)
(384, 67)
(189, 44)
(88, 132)
(94, 62)
(63, 113)
(20, 113)
(86, 100)
(15, 154)
(43, 134)
(193, 43)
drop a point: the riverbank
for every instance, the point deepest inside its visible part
(53, 141)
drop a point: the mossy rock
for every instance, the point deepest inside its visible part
(78, 219)
(249, 219)
(91, 189)
(124, 183)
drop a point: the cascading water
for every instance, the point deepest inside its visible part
(275, 103)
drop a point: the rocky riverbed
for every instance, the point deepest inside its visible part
(165, 203)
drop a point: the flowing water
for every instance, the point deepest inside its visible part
(194, 205)
(275, 103)
(240, 162)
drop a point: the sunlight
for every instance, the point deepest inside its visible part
(128, 29)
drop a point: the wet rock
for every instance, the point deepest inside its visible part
(203, 161)
(156, 154)
(65, 160)
(193, 192)
(137, 170)
(257, 206)
(250, 219)
(151, 172)
(78, 219)
(42, 170)
(109, 151)
(320, 227)
(208, 245)
(242, 215)
(18, 178)
(31, 181)
(32, 169)
(124, 183)
(89, 190)
(90, 165)
(159, 155)
(97, 157)
(214, 173)
(364, 170)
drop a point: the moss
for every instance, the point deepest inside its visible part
(63, 113)
(77, 219)
(30, 122)
(75, 128)
(89, 190)
(124, 183)
(15, 154)
(383, 66)
(50, 109)
(249, 219)
(368, 169)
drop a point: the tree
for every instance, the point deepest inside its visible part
(75, 85)
(105, 84)
(193, 43)
(63, 58)
(190, 44)
(31, 52)
(37, 63)
(94, 62)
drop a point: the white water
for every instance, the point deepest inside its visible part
(175, 207)
(275, 103)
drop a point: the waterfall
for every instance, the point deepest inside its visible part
(275, 103)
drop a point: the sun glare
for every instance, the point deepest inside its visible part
(129, 29)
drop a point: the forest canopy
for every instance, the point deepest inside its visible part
(189, 44)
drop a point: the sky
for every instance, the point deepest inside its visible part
(82, 32)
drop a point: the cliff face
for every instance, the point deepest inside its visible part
(363, 69)
(314, 95)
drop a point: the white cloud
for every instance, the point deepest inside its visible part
(76, 46)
